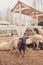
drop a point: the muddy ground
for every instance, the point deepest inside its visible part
(33, 57)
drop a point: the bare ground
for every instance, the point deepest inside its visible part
(33, 57)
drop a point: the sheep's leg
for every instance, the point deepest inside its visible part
(20, 53)
(33, 45)
(23, 52)
(11, 48)
(38, 45)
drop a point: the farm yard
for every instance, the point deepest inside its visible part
(33, 57)
(18, 19)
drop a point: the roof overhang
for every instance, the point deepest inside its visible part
(25, 9)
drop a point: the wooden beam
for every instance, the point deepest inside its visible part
(22, 4)
(20, 9)
(40, 15)
(35, 13)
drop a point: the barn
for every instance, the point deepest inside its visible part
(18, 19)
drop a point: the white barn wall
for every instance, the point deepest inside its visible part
(21, 19)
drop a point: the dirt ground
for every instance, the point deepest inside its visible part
(33, 57)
